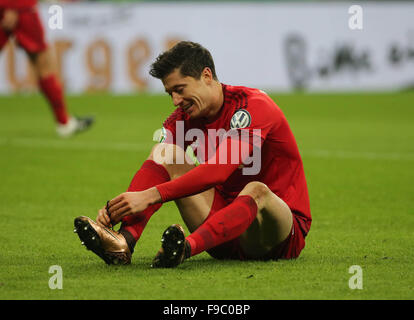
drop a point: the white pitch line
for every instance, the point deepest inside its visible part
(75, 145)
(142, 147)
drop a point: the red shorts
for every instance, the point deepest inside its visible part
(29, 32)
(290, 248)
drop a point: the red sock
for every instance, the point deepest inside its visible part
(149, 175)
(53, 92)
(225, 225)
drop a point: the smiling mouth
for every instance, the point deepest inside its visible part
(187, 106)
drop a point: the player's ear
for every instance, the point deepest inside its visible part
(207, 75)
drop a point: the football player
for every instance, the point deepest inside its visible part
(243, 197)
(20, 19)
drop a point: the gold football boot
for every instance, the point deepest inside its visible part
(106, 243)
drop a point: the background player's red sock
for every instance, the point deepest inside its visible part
(225, 225)
(52, 89)
(149, 175)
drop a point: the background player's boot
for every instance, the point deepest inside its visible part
(109, 245)
(74, 125)
(174, 248)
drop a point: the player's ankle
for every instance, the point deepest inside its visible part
(129, 238)
(187, 250)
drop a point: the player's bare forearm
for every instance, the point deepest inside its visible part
(153, 195)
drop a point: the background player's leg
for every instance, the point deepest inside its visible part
(30, 36)
(273, 222)
(52, 89)
(3, 36)
(43, 63)
(49, 85)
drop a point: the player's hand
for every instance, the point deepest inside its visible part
(129, 203)
(103, 219)
(10, 19)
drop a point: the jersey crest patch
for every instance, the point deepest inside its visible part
(160, 135)
(241, 119)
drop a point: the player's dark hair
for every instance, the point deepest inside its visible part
(189, 57)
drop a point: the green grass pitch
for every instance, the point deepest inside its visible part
(358, 153)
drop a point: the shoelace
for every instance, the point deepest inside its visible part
(109, 214)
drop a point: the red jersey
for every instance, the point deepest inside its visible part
(17, 4)
(255, 113)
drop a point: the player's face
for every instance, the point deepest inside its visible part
(191, 94)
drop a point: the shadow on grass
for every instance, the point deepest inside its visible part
(142, 265)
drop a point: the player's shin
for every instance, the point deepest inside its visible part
(52, 90)
(149, 175)
(225, 225)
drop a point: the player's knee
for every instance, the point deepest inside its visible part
(43, 63)
(257, 190)
(256, 187)
(167, 154)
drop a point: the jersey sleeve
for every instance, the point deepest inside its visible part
(253, 124)
(258, 118)
(173, 130)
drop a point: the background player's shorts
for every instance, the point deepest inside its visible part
(29, 32)
(290, 248)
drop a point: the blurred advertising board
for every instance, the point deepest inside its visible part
(273, 46)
